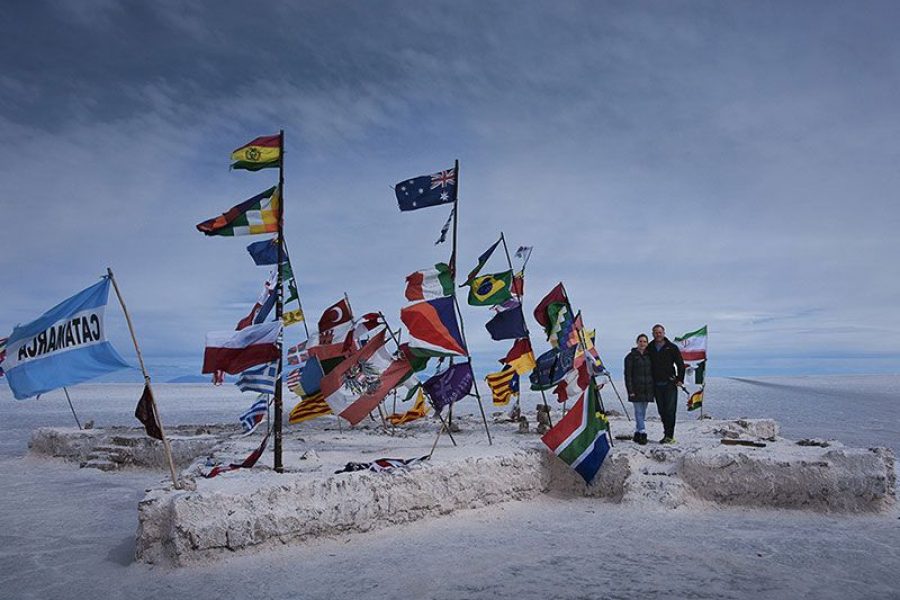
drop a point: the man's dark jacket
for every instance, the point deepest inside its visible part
(667, 362)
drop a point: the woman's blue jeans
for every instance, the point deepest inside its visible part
(640, 413)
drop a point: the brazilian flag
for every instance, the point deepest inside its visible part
(490, 290)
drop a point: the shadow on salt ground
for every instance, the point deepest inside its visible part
(123, 552)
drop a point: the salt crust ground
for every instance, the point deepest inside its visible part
(261, 509)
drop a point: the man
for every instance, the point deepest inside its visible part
(668, 375)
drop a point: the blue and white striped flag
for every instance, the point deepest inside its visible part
(64, 346)
(254, 415)
(259, 379)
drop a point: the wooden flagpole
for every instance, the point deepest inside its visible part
(520, 297)
(462, 327)
(77, 422)
(140, 357)
(444, 424)
(279, 311)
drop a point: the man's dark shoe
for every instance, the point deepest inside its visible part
(665, 440)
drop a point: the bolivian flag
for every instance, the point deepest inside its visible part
(696, 400)
(262, 153)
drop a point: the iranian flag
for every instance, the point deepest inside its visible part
(429, 284)
(693, 345)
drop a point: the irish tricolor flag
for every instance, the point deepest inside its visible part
(693, 345)
(429, 284)
(579, 438)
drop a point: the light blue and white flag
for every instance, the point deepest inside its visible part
(255, 414)
(64, 346)
(259, 379)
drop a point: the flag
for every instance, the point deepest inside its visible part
(235, 351)
(562, 329)
(579, 438)
(547, 310)
(264, 252)
(433, 328)
(309, 408)
(263, 305)
(507, 325)
(418, 411)
(426, 190)
(336, 314)
(64, 346)
(254, 415)
(292, 317)
(355, 376)
(518, 284)
(311, 377)
(390, 377)
(443, 237)
(259, 214)
(146, 415)
(262, 153)
(259, 379)
(700, 373)
(418, 363)
(524, 252)
(247, 463)
(429, 284)
(520, 357)
(551, 368)
(449, 386)
(491, 289)
(504, 385)
(573, 384)
(485, 256)
(292, 381)
(693, 345)
(381, 465)
(2, 353)
(696, 400)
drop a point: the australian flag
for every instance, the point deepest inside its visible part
(427, 190)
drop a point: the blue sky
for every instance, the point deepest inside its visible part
(734, 164)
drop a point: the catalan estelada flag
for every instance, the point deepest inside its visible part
(504, 385)
(258, 214)
(310, 408)
(262, 153)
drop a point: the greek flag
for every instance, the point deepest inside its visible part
(255, 414)
(259, 379)
(64, 346)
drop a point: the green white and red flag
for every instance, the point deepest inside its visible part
(693, 345)
(430, 283)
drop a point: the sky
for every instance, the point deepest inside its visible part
(688, 163)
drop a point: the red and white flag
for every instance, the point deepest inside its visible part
(235, 351)
(336, 314)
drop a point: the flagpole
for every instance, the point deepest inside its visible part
(519, 297)
(584, 348)
(140, 358)
(462, 327)
(444, 424)
(77, 422)
(279, 311)
(453, 262)
(593, 382)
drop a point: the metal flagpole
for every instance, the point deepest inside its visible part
(140, 357)
(444, 424)
(584, 348)
(279, 309)
(520, 297)
(77, 422)
(462, 327)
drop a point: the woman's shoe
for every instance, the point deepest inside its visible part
(637, 438)
(642, 440)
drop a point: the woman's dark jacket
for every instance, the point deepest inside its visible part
(639, 376)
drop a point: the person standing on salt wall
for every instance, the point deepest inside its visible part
(668, 374)
(639, 383)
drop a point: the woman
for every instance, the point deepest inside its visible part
(639, 383)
